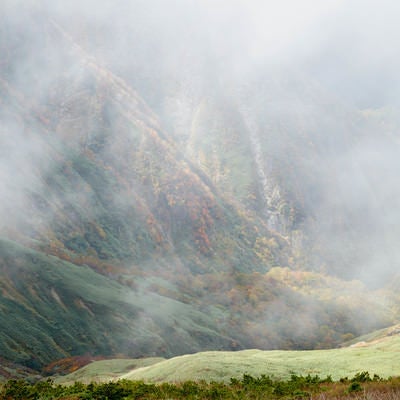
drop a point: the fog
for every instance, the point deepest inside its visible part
(344, 44)
(313, 78)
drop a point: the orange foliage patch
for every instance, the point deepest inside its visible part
(70, 364)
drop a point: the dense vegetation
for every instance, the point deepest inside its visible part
(82, 311)
(122, 234)
(361, 386)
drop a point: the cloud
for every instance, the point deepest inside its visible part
(177, 52)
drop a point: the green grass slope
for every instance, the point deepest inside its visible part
(103, 370)
(379, 358)
(52, 309)
(374, 337)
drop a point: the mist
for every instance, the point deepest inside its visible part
(308, 93)
(304, 57)
(296, 61)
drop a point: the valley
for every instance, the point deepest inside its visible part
(186, 213)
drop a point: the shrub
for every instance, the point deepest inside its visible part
(354, 387)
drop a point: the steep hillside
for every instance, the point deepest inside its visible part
(316, 170)
(106, 182)
(52, 309)
(125, 231)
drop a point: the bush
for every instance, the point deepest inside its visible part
(249, 387)
(362, 377)
(354, 387)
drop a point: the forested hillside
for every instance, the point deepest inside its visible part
(147, 212)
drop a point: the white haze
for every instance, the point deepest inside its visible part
(174, 52)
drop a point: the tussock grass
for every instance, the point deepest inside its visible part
(379, 358)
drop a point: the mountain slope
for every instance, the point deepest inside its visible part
(121, 234)
(104, 152)
(319, 172)
(52, 309)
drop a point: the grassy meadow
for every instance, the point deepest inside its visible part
(367, 369)
(379, 356)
